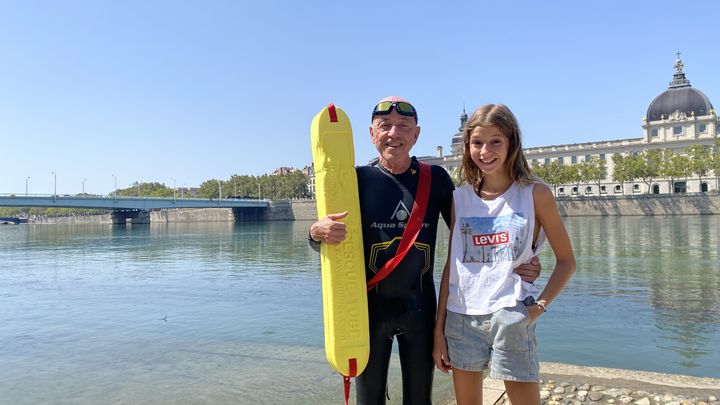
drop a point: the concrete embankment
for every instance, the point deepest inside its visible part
(305, 210)
(639, 205)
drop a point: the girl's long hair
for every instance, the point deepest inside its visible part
(500, 116)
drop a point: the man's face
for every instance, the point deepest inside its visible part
(394, 135)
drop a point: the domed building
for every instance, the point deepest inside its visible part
(679, 100)
(676, 119)
(680, 112)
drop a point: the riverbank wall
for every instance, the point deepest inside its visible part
(631, 205)
(306, 210)
(641, 205)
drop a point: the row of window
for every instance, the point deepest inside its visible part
(678, 130)
(679, 187)
(603, 190)
(573, 159)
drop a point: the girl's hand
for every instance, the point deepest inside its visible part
(440, 355)
(535, 311)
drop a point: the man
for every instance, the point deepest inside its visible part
(403, 304)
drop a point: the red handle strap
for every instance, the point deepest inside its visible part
(346, 378)
(332, 112)
(413, 226)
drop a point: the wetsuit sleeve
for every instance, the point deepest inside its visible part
(446, 188)
(315, 245)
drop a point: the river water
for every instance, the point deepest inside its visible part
(191, 313)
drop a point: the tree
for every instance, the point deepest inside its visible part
(622, 170)
(596, 171)
(550, 173)
(241, 185)
(293, 185)
(209, 189)
(700, 160)
(154, 189)
(651, 165)
(455, 176)
(572, 174)
(675, 167)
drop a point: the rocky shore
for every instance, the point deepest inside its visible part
(564, 384)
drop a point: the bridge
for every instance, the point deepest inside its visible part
(133, 209)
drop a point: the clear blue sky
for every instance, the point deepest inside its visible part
(156, 90)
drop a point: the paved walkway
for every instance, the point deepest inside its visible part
(617, 381)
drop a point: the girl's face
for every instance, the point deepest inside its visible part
(489, 149)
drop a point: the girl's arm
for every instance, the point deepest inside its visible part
(547, 215)
(440, 354)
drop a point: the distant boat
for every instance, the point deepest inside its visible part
(13, 220)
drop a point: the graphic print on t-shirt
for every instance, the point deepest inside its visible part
(492, 239)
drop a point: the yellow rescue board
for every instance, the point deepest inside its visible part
(347, 342)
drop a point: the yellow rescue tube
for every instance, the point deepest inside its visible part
(347, 342)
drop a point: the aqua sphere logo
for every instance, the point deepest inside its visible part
(401, 212)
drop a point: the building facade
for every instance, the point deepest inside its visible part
(676, 119)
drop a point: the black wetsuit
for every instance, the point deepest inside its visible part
(404, 303)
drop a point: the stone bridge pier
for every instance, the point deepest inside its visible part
(122, 217)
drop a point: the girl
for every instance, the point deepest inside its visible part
(499, 219)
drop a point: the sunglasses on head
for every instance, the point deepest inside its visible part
(402, 108)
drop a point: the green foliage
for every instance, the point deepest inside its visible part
(274, 187)
(649, 165)
(675, 166)
(699, 159)
(48, 212)
(621, 170)
(146, 190)
(210, 188)
(551, 173)
(594, 170)
(455, 176)
(571, 174)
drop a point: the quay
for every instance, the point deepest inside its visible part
(580, 385)
(228, 210)
(136, 210)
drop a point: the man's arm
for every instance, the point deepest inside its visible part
(529, 271)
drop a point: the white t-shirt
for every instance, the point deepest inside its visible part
(490, 239)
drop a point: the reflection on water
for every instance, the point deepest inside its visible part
(647, 289)
(231, 313)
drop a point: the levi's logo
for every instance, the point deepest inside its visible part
(499, 238)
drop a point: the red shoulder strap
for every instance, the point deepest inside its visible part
(413, 226)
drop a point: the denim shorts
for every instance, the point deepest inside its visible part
(505, 339)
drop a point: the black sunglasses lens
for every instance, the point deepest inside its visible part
(383, 108)
(401, 107)
(405, 108)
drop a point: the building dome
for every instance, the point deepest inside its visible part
(680, 99)
(456, 145)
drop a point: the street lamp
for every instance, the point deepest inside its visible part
(173, 179)
(83, 187)
(115, 190)
(219, 191)
(55, 182)
(26, 186)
